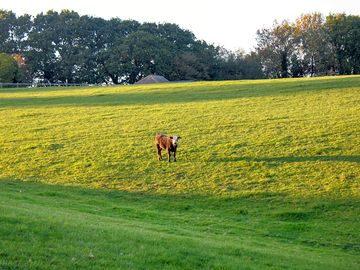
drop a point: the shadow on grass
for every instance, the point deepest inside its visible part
(72, 215)
(354, 158)
(26, 186)
(187, 93)
(45, 89)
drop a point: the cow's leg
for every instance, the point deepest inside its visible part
(159, 152)
(168, 154)
(174, 155)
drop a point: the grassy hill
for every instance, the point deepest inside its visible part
(268, 176)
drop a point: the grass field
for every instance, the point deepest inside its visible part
(268, 176)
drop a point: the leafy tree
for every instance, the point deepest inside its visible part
(344, 33)
(228, 66)
(8, 68)
(67, 47)
(23, 72)
(97, 40)
(7, 20)
(238, 65)
(252, 66)
(20, 31)
(297, 66)
(205, 54)
(312, 44)
(43, 55)
(142, 54)
(186, 57)
(180, 40)
(13, 31)
(189, 67)
(275, 47)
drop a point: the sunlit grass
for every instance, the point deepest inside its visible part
(267, 177)
(289, 136)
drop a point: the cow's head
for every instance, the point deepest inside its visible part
(175, 140)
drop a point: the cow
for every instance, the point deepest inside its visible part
(168, 143)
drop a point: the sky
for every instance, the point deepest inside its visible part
(228, 23)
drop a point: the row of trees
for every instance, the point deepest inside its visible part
(66, 47)
(311, 46)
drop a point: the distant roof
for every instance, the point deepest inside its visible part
(152, 79)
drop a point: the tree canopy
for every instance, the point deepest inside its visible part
(8, 68)
(311, 46)
(64, 47)
(67, 47)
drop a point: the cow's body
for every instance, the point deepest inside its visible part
(168, 143)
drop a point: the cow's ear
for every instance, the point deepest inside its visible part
(171, 137)
(179, 137)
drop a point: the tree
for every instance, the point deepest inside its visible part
(23, 72)
(312, 44)
(344, 34)
(297, 66)
(8, 68)
(237, 65)
(13, 31)
(142, 53)
(275, 47)
(252, 66)
(7, 20)
(97, 38)
(42, 41)
(188, 66)
(66, 47)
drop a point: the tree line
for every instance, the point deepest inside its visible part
(68, 48)
(311, 46)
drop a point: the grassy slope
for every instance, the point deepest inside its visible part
(268, 176)
(49, 227)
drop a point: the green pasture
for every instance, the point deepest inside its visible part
(267, 177)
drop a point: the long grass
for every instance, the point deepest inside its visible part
(267, 176)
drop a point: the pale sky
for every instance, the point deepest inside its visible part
(229, 23)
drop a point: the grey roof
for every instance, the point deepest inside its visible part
(152, 79)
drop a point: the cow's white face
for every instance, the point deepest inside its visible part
(175, 140)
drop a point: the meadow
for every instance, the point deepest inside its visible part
(267, 177)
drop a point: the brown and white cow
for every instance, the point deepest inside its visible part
(170, 144)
